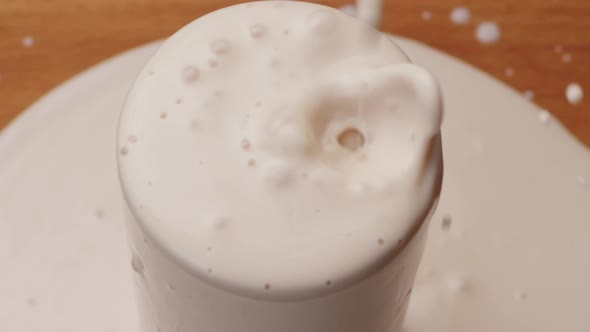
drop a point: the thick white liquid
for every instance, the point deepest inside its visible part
(287, 154)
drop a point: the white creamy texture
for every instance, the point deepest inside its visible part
(291, 152)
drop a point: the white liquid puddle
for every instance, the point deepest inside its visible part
(487, 33)
(460, 15)
(574, 93)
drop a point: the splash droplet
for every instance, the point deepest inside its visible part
(28, 41)
(426, 15)
(487, 33)
(460, 15)
(132, 139)
(574, 93)
(123, 151)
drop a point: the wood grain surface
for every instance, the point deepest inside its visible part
(68, 36)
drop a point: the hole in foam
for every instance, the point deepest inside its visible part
(351, 139)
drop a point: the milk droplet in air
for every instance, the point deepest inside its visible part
(426, 15)
(487, 33)
(460, 15)
(28, 42)
(509, 72)
(566, 58)
(574, 93)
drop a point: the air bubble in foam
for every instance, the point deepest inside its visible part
(456, 284)
(357, 188)
(257, 30)
(32, 302)
(245, 144)
(219, 46)
(322, 21)
(447, 222)
(137, 264)
(487, 33)
(519, 295)
(217, 223)
(99, 213)
(279, 174)
(583, 181)
(460, 15)
(213, 63)
(190, 74)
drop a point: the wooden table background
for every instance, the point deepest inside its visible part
(71, 35)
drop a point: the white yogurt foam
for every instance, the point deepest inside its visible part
(311, 138)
